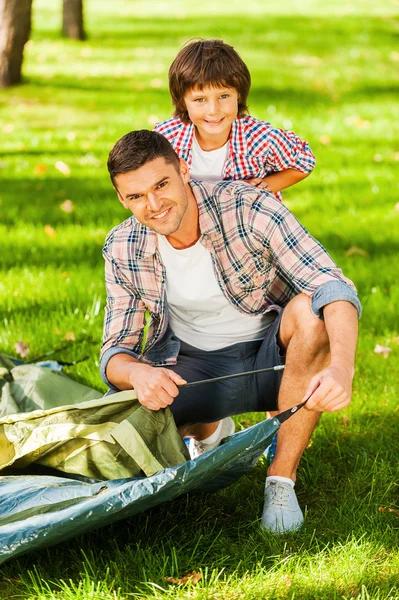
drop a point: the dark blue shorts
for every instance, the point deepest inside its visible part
(214, 401)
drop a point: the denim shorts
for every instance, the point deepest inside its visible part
(214, 401)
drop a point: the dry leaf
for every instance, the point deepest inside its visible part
(21, 349)
(156, 83)
(345, 421)
(50, 231)
(62, 168)
(396, 207)
(356, 121)
(355, 250)
(395, 56)
(382, 350)
(193, 577)
(70, 336)
(395, 156)
(395, 340)
(57, 331)
(325, 140)
(67, 206)
(388, 509)
(40, 169)
(377, 157)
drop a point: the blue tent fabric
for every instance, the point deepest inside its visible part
(41, 510)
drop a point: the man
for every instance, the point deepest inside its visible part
(231, 281)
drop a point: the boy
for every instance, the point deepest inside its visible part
(211, 129)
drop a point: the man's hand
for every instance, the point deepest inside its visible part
(330, 390)
(155, 387)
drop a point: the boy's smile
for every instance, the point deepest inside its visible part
(212, 110)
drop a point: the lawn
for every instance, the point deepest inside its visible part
(330, 72)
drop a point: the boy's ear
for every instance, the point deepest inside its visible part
(184, 171)
(121, 200)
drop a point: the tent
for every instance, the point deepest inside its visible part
(110, 458)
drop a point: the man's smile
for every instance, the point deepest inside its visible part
(163, 214)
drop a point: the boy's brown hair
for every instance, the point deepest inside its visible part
(207, 63)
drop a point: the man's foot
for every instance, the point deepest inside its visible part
(281, 512)
(225, 428)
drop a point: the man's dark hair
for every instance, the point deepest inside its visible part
(137, 148)
(207, 63)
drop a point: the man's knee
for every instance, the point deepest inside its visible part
(301, 323)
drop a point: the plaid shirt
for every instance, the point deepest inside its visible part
(256, 148)
(262, 257)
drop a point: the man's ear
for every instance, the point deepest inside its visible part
(121, 200)
(184, 171)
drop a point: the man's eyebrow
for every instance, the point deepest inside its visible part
(155, 185)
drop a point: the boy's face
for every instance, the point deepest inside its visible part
(212, 110)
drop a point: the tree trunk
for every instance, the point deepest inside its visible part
(72, 20)
(15, 25)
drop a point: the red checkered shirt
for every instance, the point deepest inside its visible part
(256, 148)
(262, 257)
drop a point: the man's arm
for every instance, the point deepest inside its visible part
(331, 389)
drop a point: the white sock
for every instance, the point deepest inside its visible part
(279, 478)
(214, 436)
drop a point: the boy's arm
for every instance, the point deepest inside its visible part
(287, 159)
(278, 181)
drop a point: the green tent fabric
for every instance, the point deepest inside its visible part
(114, 458)
(71, 429)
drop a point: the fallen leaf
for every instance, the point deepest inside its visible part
(57, 331)
(156, 83)
(395, 156)
(395, 340)
(325, 140)
(355, 250)
(388, 509)
(67, 206)
(395, 56)
(396, 207)
(21, 349)
(345, 421)
(193, 577)
(70, 336)
(382, 350)
(152, 119)
(40, 169)
(62, 168)
(50, 231)
(357, 121)
(377, 157)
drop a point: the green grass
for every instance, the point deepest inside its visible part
(327, 70)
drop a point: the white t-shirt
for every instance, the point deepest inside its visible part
(208, 166)
(199, 313)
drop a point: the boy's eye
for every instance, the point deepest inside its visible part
(223, 96)
(198, 99)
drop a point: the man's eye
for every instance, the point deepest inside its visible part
(162, 184)
(135, 197)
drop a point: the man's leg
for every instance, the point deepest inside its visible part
(305, 341)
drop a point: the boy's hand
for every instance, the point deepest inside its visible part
(260, 183)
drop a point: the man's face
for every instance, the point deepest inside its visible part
(155, 194)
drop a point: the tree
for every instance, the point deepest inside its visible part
(15, 26)
(72, 20)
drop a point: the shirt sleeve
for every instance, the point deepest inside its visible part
(124, 317)
(302, 264)
(287, 151)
